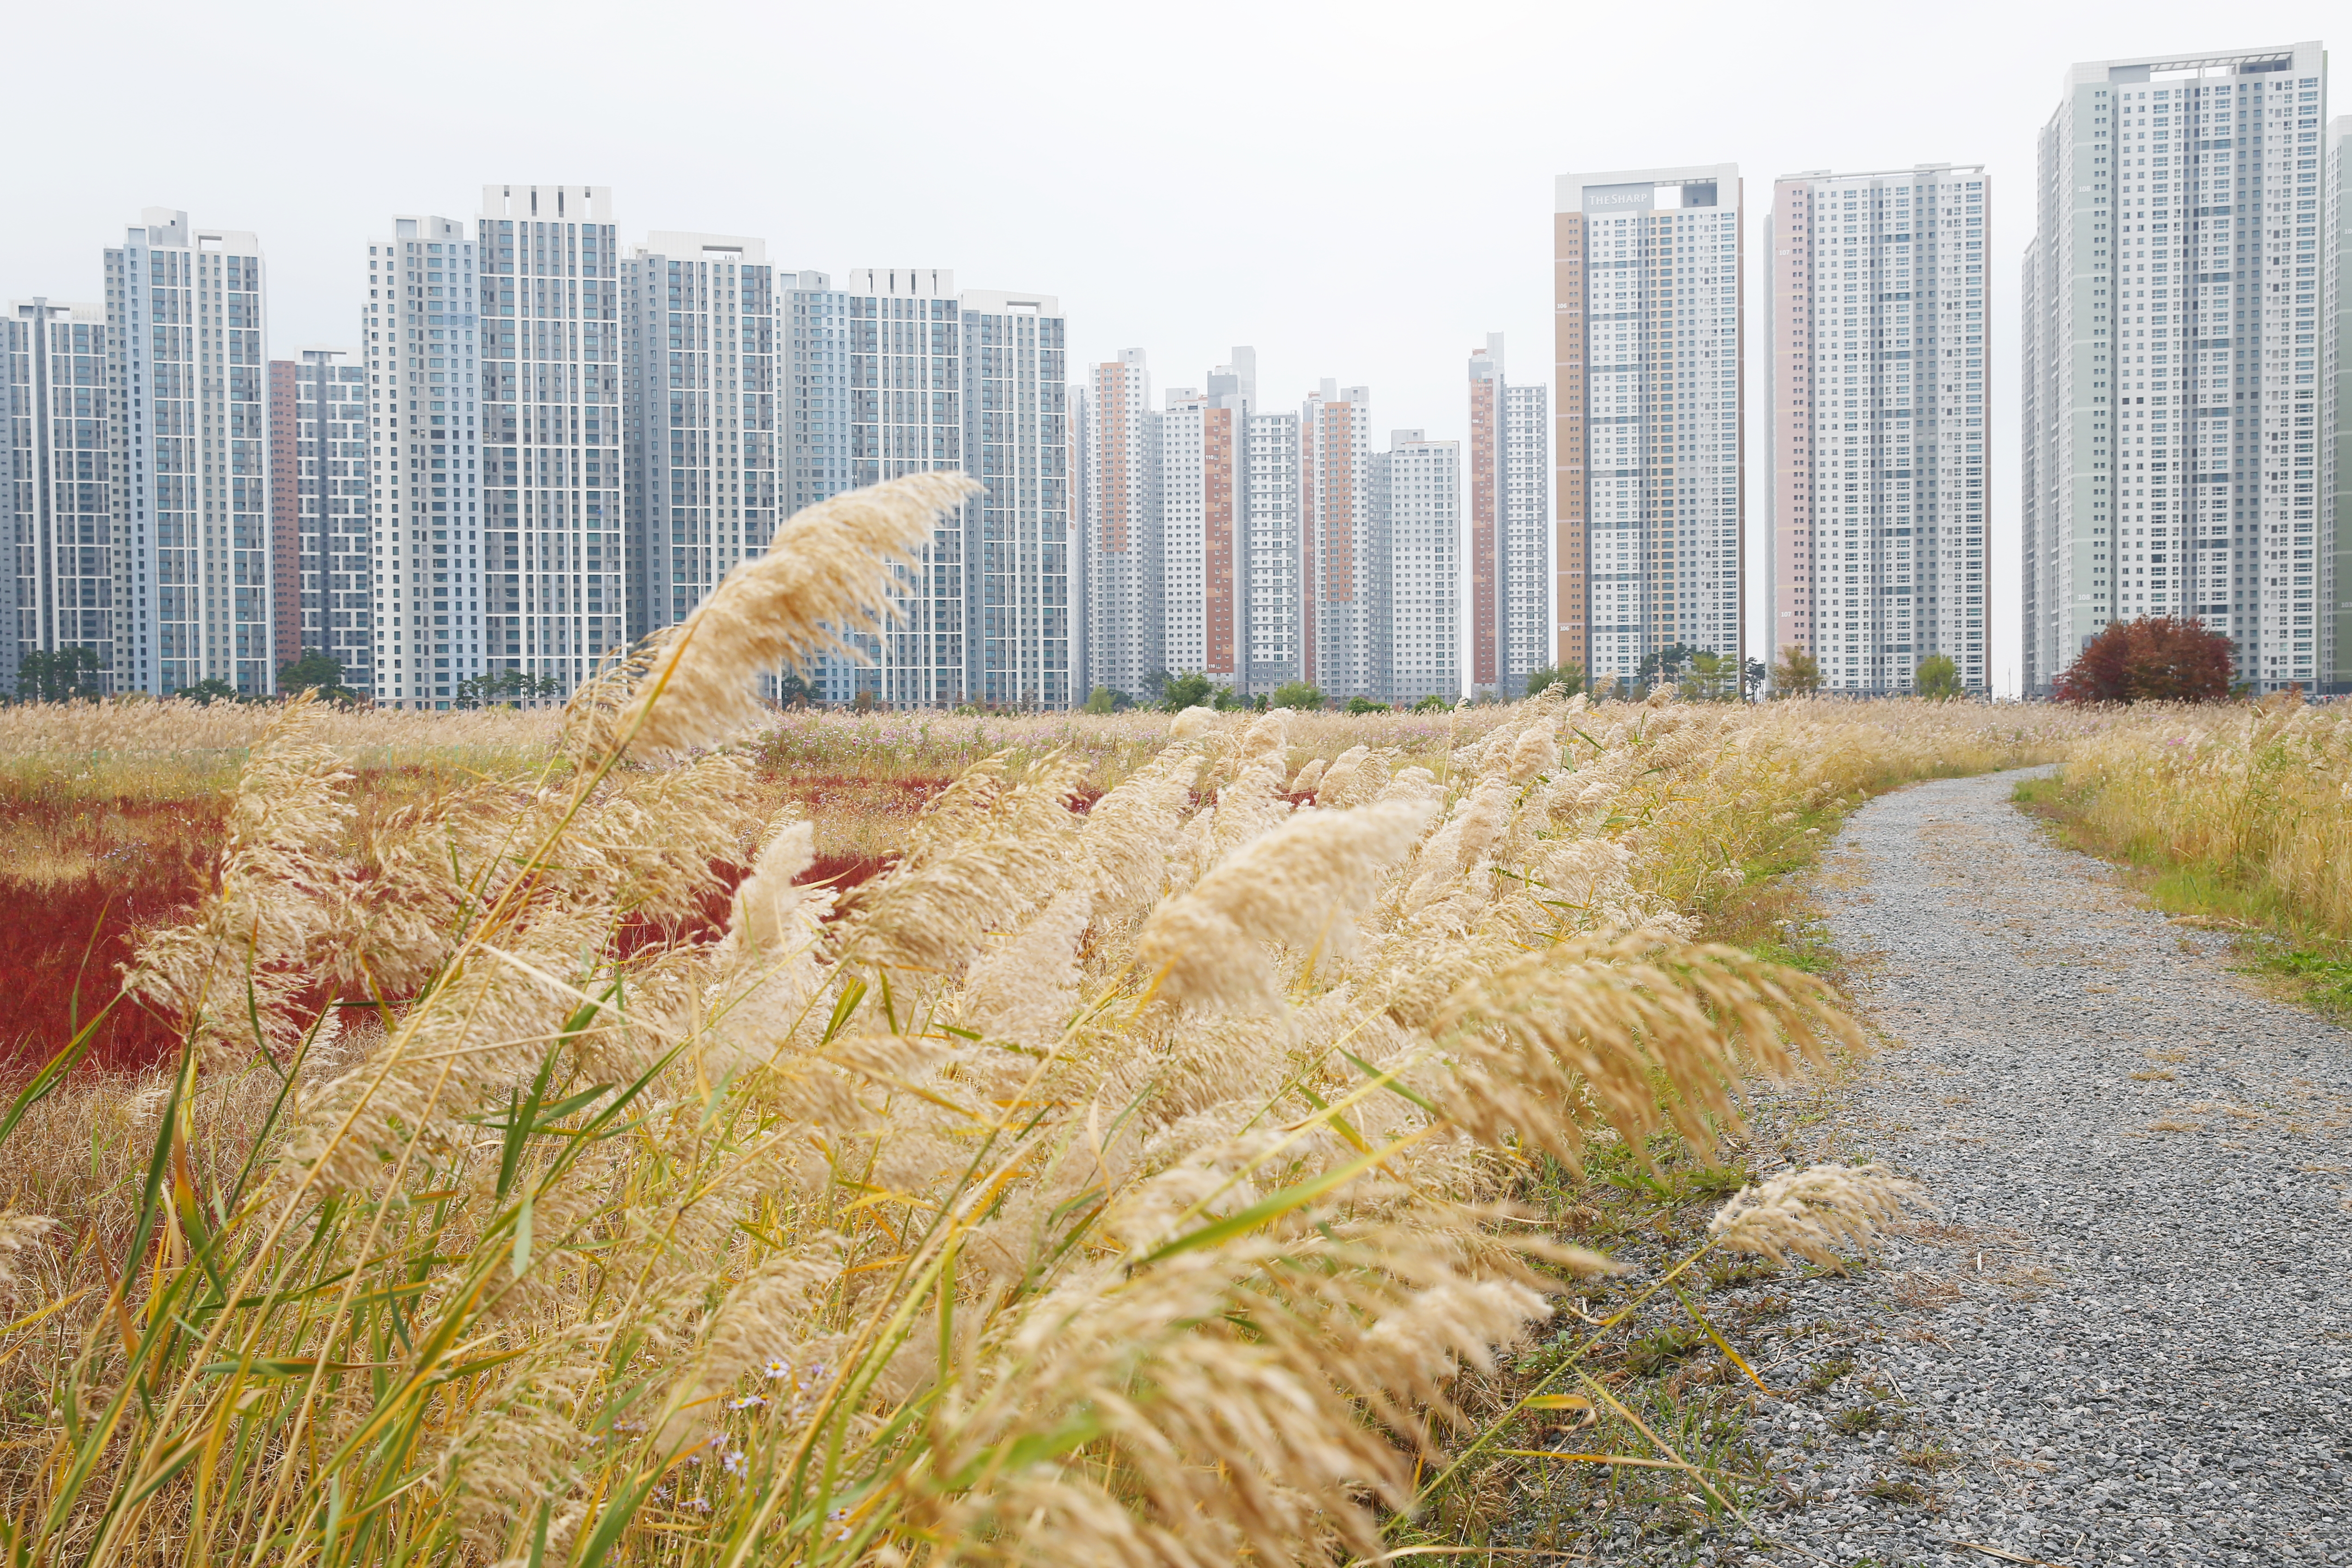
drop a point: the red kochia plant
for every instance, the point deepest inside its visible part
(2152, 659)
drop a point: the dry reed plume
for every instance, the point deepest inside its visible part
(1121, 1185)
(2259, 796)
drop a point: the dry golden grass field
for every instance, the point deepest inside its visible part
(669, 1133)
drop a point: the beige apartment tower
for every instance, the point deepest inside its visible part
(1647, 324)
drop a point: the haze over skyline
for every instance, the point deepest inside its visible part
(1360, 192)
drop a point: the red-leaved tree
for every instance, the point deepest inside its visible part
(2152, 659)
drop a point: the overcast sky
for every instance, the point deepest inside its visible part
(1359, 190)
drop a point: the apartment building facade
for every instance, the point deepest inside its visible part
(699, 418)
(1127, 627)
(319, 441)
(1526, 545)
(1271, 497)
(431, 286)
(187, 351)
(1417, 491)
(1879, 334)
(552, 433)
(1343, 564)
(1649, 325)
(57, 471)
(2174, 392)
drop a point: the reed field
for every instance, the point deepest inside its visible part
(666, 1131)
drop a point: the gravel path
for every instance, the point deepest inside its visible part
(2127, 1338)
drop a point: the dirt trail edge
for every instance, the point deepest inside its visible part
(2127, 1338)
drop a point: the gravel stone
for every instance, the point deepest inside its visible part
(2131, 1321)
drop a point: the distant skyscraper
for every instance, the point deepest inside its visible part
(1204, 507)
(185, 310)
(813, 370)
(1509, 493)
(1082, 439)
(906, 416)
(1487, 436)
(2336, 599)
(1018, 555)
(551, 427)
(1342, 562)
(1273, 496)
(1527, 570)
(1648, 317)
(427, 506)
(1417, 486)
(1877, 308)
(700, 416)
(1127, 625)
(285, 503)
(319, 441)
(2173, 408)
(55, 465)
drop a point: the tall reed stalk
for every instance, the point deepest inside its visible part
(1124, 1184)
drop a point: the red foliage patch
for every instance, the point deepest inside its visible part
(2152, 659)
(64, 940)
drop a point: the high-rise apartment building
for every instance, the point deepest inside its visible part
(1126, 613)
(813, 383)
(2338, 415)
(285, 501)
(2173, 403)
(906, 416)
(1877, 415)
(1487, 438)
(1270, 491)
(58, 473)
(1020, 559)
(1081, 530)
(899, 374)
(185, 313)
(1204, 530)
(699, 416)
(1526, 569)
(552, 435)
(438, 622)
(1648, 327)
(320, 439)
(1417, 490)
(1342, 555)
(1510, 485)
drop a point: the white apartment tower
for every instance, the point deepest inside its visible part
(1272, 492)
(1126, 611)
(329, 505)
(552, 450)
(1878, 422)
(185, 311)
(55, 465)
(2174, 399)
(812, 388)
(1487, 516)
(1417, 487)
(906, 416)
(2337, 610)
(897, 374)
(1343, 561)
(1648, 318)
(425, 422)
(1019, 566)
(701, 417)
(1527, 566)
